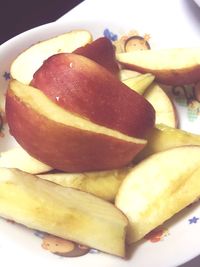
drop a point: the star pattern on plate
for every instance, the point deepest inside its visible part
(6, 75)
(110, 35)
(194, 219)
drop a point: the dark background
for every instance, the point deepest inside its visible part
(17, 16)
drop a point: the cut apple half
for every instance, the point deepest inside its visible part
(62, 139)
(64, 212)
(26, 64)
(176, 66)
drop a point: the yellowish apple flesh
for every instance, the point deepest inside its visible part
(139, 83)
(18, 158)
(26, 64)
(163, 137)
(104, 184)
(176, 66)
(165, 110)
(158, 188)
(125, 74)
(64, 212)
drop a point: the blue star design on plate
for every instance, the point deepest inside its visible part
(6, 75)
(110, 35)
(193, 220)
(94, 251)
(39, 234)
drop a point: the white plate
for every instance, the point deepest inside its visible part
(177, 241)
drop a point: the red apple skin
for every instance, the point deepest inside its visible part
(63, 147)
(176, 77)
(87, 89)
(102, 52)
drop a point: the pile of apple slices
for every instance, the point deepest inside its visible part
(99, 144)
(82, 115)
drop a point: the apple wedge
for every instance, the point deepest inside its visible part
(102, 52)
(18, 158)
(104, 184)
(164, 107)
(163, 137)
(158, 188)
(61, 139)
(126, 74)
(26, 64)
(85, 88)
(175, 66)
(139, 83)
(64, 212)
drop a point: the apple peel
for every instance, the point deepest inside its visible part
(61, 139)
(174, 66)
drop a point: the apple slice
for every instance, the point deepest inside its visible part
(176, 66)
(139, 83)
(18, 158)
(101, 51)
(164, 107)
(65, 212)
(126, 74)
(61, 139)
(26, 64)
(104, 184)
(85, 88)
(163, 137)
(158, 188)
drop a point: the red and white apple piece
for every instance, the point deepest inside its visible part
(164, 107)
(26, 64)
(176, 66)
(64, 140)
(87, 89)
(102, 52)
